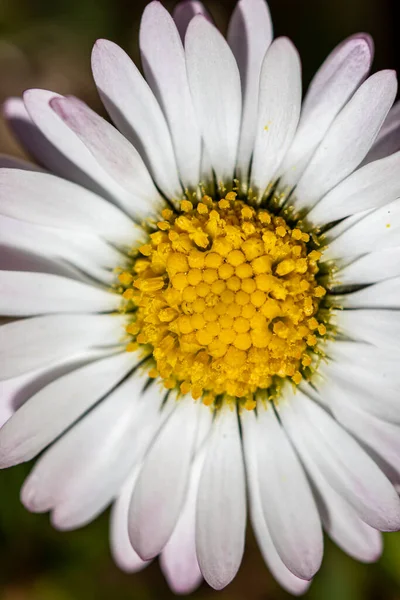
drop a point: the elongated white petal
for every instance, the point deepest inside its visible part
(215, 86)
(74, 160)
(370, 358)
(371, 392)
(333, 85)
(388, 140)
(164, 65)
(249, 36)
(377, 229)
(221, 505)
(381, 437)
(136, 112)
(371, 268)
(347, 467)
(48, 200)
(162, 483)
(114, 153)
(184, 12)
(23, 294)
(287, 502)
(378, 327)
(87, 252)
(52, 477)
(278, 111)
(96, 481)
(385, 294)
(281, 573)
(121, 548)
(29, 344)
(178, 559)
(340, 520)
(371, 186)
(49, 412)
(348, 140)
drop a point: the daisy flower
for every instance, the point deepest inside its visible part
(203, 300)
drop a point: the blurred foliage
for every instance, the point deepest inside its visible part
(47, 43)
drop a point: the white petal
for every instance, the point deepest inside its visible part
(388, 140)
(48, 200)
(121, 548)
(23, 294)
(286, 579)
(371, 268)
(87, 252)
(221, 504)
(333, 85)
(184, 12)
(371, 186)
(339, 519)
(378, 327)
(249, 36)
(379, 229)
(385, 294)
(215, 86)
(51, 410)
(162, 483)
(125, 422)
(369, 357)
(164, 65)
(139, 196)
(178, 559)
(287, 502)
(381, 437)
(57, 470)
(29, 344)
(348, 139)
(373, 392)
(135, 111)
(346, 467)
(61, 139)
(278, 111)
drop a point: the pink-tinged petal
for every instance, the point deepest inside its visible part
(348, 139)
(114, 153)
(185, 11)
(249, 36)
(135, 111)
(221, 503)
(279, 105)
(388, 140)
(215, 86)
(164, 65)
(162, 482)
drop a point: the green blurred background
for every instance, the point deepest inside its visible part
(46, 44)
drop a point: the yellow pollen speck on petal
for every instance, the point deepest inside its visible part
(225, 297)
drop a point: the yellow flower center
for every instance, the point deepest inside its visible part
(226, 299)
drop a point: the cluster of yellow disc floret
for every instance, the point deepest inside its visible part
(226, 298)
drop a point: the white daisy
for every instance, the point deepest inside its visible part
(240, 248)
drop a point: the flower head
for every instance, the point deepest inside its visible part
(213, 308)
